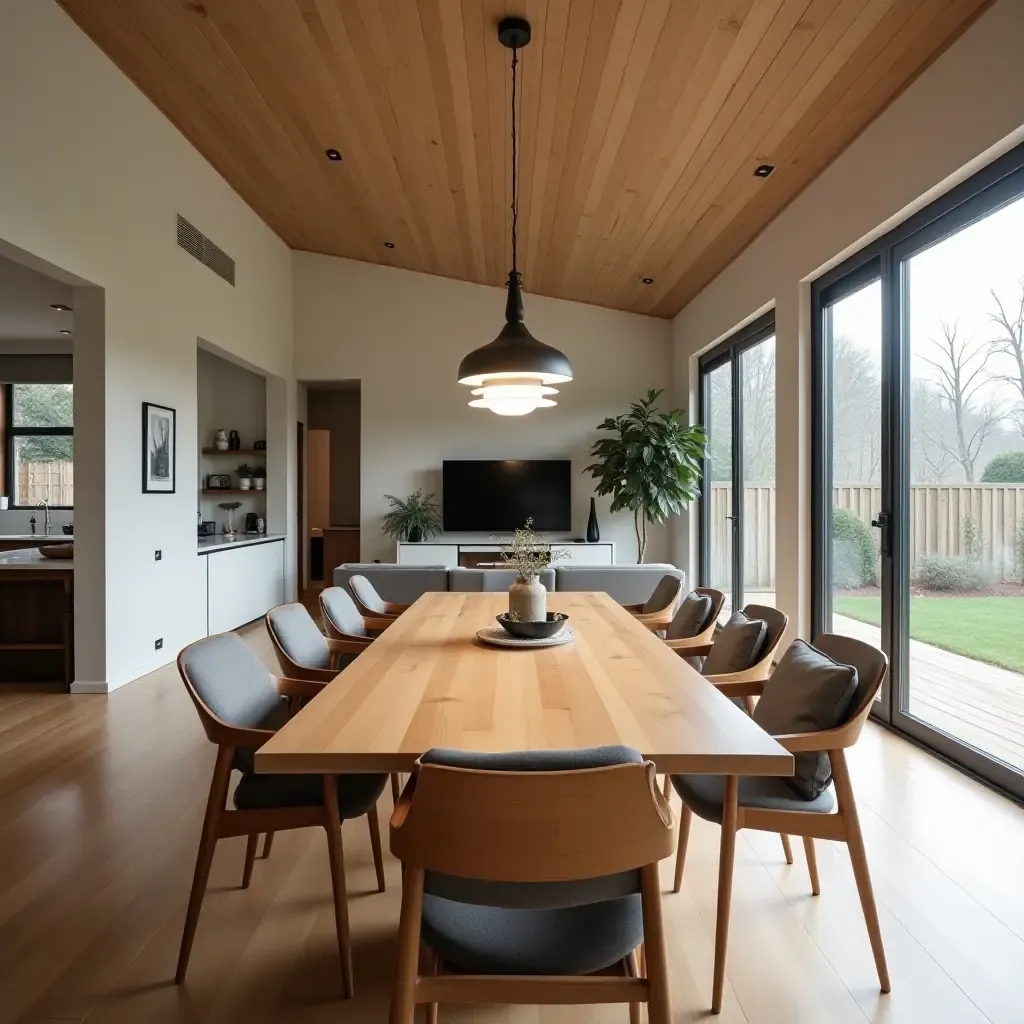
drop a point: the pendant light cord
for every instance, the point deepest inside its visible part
(515, 163)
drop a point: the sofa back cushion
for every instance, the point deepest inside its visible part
(626, 584)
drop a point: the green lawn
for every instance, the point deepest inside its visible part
(989, 629)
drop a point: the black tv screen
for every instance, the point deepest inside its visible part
(502, 495)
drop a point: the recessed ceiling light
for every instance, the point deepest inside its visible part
(764, 170)
(647, 280)
(60, 306)
(65, 332)
(333, 154)
(389, 245)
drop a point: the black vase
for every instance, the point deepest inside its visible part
(593, 530)
(415, 534)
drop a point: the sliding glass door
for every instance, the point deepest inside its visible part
(919, 468)
(737, 550)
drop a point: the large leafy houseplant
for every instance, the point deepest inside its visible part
(414, 518)
(651, 465)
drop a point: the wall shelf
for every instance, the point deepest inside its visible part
(232, 490)
(235, 451)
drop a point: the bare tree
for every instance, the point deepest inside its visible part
(931, 435)
(856, 414)
(1010, 342)
(961, 364)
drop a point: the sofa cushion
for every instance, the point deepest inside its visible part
(807, 692)
(401, 584)
(738, 645)
(626, 584)
(491, 580)
(691, 618)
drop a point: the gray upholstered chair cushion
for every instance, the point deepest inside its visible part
(704, 794)
(356, 793)
(299, 636)
(807, 692)
(738, 645)
(576, 929)
(665, 593)
(691, 617)
(399, 583)
(231, 680)
(626, 584)
(366, 594)
(339, 607)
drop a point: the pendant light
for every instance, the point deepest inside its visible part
(513, 374)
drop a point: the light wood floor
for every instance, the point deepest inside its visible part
(101, 801)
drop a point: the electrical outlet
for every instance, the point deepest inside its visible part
(158, 645)
(157, 555)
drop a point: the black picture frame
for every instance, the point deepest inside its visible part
(156, 461)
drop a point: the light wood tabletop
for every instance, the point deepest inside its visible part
(428, 682)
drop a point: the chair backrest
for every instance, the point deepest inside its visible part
(296, 637)
(401, 584)
(530, 823)
(666, 593)
(227, 682)
(684, 626)
(870, 663)
(717, 603)
(776, 622)
(340, 612)
(366, 595)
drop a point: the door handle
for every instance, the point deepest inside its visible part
(882, 524)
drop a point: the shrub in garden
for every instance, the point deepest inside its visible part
(1007, 468)
(853, 551)
(942, 572)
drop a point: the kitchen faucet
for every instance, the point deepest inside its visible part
(46, 521)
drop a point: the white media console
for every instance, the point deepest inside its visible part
(454, 554)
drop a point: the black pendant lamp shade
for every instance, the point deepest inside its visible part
(512, 374)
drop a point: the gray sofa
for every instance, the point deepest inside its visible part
(626, 584)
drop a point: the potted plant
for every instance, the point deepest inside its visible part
(651, 465)
(529, 554)
(244, 472)
(259, 477)
(229, 507)
(414, 518)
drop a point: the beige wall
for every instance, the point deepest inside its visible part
(402, 335)
(967, 108)
(91, 176)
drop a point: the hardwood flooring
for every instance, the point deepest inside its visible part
(101, 800)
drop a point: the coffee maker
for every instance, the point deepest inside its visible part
(252, 522)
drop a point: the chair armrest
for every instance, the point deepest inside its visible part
(688, 648)
(392, 608)
(812, 742)
(634, 609)
(401, 811)
(655, 620)
(298, 687)
(373, 622)
(235, 736)
(739, 688)
(748, 675)
(346, 646)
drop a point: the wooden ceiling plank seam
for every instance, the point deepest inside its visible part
(553, 42)
(498, 91)
(698, 276)
(747, 94)
(652, 22)
(779, 88)
(672, 67)
(892, 37)
(121, 39)
(453, 41)
(715, 65)
(826, 67)
(398, 222)
(609, 77)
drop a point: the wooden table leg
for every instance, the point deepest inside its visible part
(725, 869)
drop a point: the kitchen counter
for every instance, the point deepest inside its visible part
(29, 558)
(219, 542)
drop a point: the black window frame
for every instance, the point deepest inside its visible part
(11, 432)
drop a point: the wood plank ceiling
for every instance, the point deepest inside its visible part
(642, 122)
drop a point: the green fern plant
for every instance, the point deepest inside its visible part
(414, 518)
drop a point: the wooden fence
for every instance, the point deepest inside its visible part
(52, 482)
(938, 514)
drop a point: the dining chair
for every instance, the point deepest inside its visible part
(303, 652)
(241, 706)
(370, 602)
(815, 704)
(695, 620)
(518, 889)
(660, 607)
(344, 621)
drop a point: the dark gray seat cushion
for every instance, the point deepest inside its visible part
(807, 692)
(492, 940)
(299, 636)
(356, 793)
(738, 645)
(691, 618)
(704, 794)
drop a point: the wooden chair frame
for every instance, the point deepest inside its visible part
(221, 823)
(531, 827)
(841, 826)
(686, 647)
(392, 609)
(660, 619)
(294, 670)
(335, 632)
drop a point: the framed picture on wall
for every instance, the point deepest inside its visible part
(159, 449)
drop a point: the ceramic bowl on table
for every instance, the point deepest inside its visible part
(533, 630)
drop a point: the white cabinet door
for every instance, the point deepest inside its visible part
(429, 554)
(587, 554)
(243, 584)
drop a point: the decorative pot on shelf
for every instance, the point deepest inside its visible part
(234, 441)
(259, 482)
(415, 534)
(593, 530)
(245, 483)
(528, 600)
(220, 441)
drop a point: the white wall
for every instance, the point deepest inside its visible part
(966, 109)
(90, 178)
(402, 334)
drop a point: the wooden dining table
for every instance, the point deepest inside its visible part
(427, 681)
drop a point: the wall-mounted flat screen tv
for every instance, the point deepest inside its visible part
(500, 495)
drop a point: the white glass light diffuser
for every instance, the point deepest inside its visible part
(516, 399)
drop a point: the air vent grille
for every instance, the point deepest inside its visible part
(193, 241)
